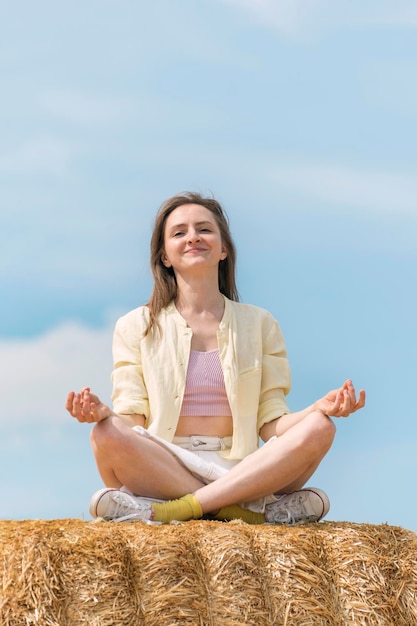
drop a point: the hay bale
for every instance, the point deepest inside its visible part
(70, 572)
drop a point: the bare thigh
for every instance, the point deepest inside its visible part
(126, 458)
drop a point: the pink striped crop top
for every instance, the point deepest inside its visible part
(205, 392)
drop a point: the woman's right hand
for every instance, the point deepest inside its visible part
(87, 407)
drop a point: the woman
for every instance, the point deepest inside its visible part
(198, 377)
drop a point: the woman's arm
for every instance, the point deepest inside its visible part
(337, 403)
(129, 393)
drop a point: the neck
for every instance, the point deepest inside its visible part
(199, 298)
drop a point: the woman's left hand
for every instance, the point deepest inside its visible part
(341, 402)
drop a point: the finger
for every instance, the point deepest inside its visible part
(93, 411)
(361, 402)
(85, 403)
(93, 397)
(90, 408)
(352, 393)
(354, 404)
(85, 400)
(77, 402)
(337, 404)
(88, 415)
(69, 401)
(345, 405)
(348, 403)
(77, 410)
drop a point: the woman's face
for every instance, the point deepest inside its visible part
(192, 239)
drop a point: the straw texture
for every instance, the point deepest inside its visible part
(70, 572)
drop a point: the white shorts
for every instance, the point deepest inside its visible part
(199, 455)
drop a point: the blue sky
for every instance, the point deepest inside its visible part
(300, 117)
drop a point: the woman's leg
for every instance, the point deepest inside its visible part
(281, 466)
(126, 458)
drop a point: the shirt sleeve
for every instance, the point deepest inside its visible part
(129, 390)
(276, 376)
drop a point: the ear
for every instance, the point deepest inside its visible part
(165, 261)
(223, 254)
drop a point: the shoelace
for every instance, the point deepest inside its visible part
(123, 509)
(292, 511)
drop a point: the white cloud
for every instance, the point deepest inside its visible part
(369, 191)
(288, 16)
(38, 373)
(42, 154)
(89, 109)
(403, 15)
(301, 17)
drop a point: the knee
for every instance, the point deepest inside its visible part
(102, 434)
(322, 430)
(112, 437)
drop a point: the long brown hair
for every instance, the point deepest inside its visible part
(165, 284)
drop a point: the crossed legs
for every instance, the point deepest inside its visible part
(284, 465)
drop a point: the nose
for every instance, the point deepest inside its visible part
(193, 235)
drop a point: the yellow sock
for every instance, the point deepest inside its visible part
(183, 509)
(234, 511)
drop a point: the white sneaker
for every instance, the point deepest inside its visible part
(118, 506)
(299, 507)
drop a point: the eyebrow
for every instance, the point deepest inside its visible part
(176, 226)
